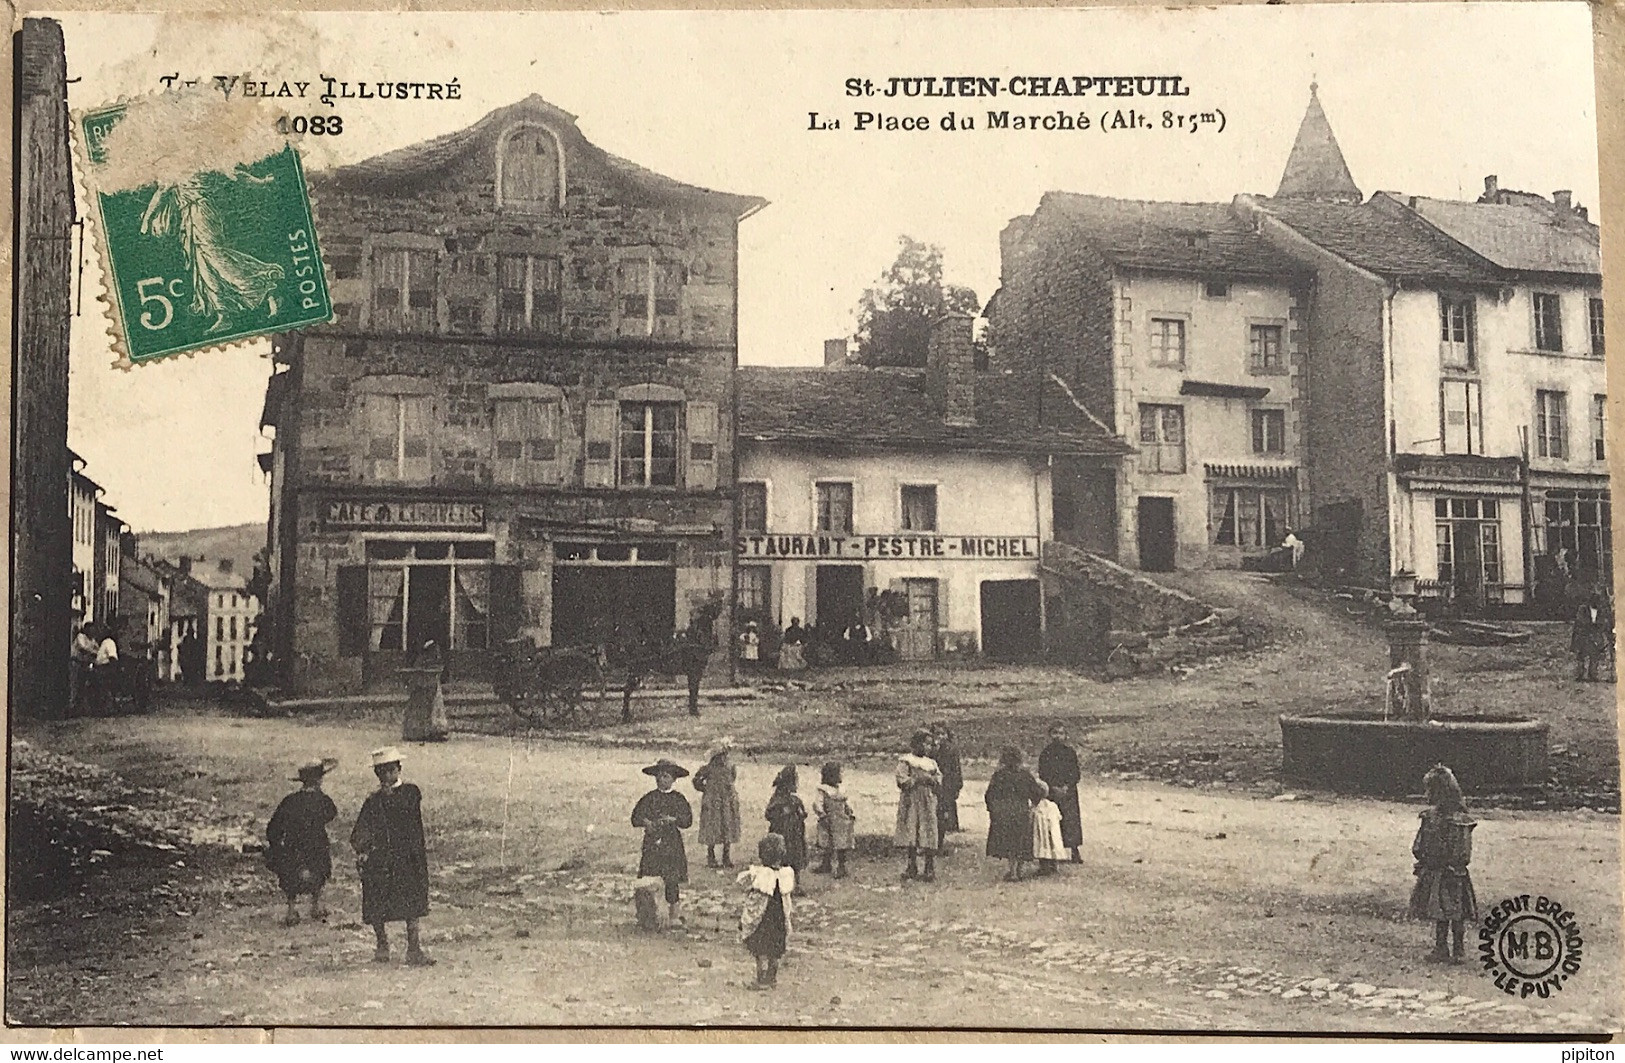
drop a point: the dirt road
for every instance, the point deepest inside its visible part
(1193, 909)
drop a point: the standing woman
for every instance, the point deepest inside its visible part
(719, 803)
(1011, 795)
(392, 858)
(664, 814)
(1058, 768)
(918, 779)
(787, 817)
(946, 753)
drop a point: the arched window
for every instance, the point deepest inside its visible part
(529, 169)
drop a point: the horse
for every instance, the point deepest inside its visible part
(685, 654)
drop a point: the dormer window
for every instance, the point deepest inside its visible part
(1195, 239)
(530, 170)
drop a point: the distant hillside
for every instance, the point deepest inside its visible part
(240, 543)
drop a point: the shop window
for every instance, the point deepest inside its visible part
(1457, 332)
(1461, 417)
(752, 506)
(528, 299)
(529, 172)
(834, 508)
(437, 592)
(1269, 431)
(1548, 321)
(1264, 349)
(1162, 438)
(1594, 320)
(1250, 517)
(1552, 424)
(403, 286)
(755, 588)
(1467, 533)
(1167, 341)
(526, 433)
(919, 507)
(648, 444)
(398, 429)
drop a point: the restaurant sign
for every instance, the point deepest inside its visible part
(912, 547)
(422, 514)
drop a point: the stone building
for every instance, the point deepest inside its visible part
(520, 422)
(1456, 380)
(931, 484)
(144, 605)
(82, 495)
(1178, 327)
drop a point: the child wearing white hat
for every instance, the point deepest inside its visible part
(392, 858)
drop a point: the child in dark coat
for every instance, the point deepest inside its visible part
(1443, 848)
(787, 817)
(764, 918)
(296, 846)
(664, 814)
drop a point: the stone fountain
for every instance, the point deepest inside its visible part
(1388, 752)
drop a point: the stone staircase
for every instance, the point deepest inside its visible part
(1125, 623)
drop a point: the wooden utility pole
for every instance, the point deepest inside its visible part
(41, 537)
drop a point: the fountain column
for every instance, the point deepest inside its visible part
(1408, 649)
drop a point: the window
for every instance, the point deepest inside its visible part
(219, 660)
(1167, 341)
(1216, 289)
(232, 627)
(526, 433)
(1162, 438)
(1457, 331)
(1269, 431)
(1468, 536)
(1461, 417)
(397, 429)
(439, 590)
(1548, 322)
(919, 507)
(648, 444)
(1264, 349)
(753, 506)
(1253, 517)
(649, 296)
(755, 587)
(220, 629)
(403, 289)
(1577, 533)
(1552, 424)
(528, 296)
(1594, 320)
(528, 170)
(835, 508)
(1599, 427)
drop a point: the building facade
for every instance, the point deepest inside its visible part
(82, 495)
(1180, 328)
(931, 488)
(144, 606)
(1457, 399)
(520, 423)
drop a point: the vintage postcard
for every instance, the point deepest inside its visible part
(1023, 520)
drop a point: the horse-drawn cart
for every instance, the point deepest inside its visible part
(544, 686)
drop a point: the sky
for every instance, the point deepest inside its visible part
(1424, 99)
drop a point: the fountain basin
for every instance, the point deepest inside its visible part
(1363, 753)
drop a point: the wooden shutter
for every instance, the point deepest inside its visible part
(507, 603)
(352, 610)
(416, 432)
(702, 446)
(508, 452)
(598, 464)
(381, 415)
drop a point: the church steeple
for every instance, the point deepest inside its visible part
(1316, 169)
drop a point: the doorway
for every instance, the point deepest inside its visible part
(593, 603)
(1155, 534)
(837, 598)
(917, 636)
(1011, 629)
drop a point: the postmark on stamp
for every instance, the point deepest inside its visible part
(1530, 946)
(198, 251)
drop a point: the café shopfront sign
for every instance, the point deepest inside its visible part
(417, 515)
(909, 547)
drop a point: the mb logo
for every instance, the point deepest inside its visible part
(1529, 945)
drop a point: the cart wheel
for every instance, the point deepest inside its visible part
(527, 710)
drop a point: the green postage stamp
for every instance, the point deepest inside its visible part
(199, 251)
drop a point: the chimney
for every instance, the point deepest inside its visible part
(1564, 198)
(186, 566)
(950, 370)
(1492, 191)
(834, 352)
